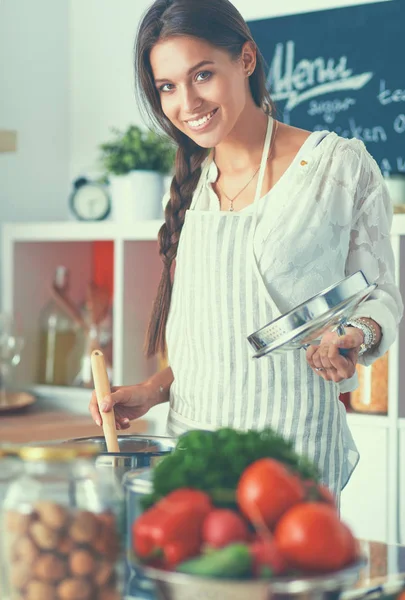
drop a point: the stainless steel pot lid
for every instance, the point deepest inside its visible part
(131, 445)
(307, 322)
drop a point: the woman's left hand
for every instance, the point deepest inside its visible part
(326, 360)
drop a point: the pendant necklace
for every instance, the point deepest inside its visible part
(232, 200)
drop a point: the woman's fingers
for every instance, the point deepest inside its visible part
(122, 423)
(93, 408)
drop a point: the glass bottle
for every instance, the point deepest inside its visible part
(98, 333)
(371, 396)
(57, 337)
(60, 528)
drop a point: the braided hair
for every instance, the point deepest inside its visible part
(219, 23)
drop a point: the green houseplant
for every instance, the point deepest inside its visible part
(137, 150)
(136, 162)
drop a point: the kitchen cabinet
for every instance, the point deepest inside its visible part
(401, 474)
(366, 499)
(30, 255)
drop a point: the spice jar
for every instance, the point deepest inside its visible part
(60, 531)
(372, 394)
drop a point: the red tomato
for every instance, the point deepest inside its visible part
(311, 537)
(222, 527)
(325, 495)
(353, 546)
(267, 555)
(267, 490)
(318, 493)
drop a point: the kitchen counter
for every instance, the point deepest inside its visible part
(384, 572)
(47, 420)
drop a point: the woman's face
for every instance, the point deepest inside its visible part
(203, 91)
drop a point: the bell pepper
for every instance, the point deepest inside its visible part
(172, 527)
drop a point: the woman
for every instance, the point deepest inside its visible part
(260, 216)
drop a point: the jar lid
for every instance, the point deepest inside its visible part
(63, 453)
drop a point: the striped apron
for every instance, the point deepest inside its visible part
(219, 298)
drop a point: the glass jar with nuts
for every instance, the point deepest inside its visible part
(10, 468)
(59, 530)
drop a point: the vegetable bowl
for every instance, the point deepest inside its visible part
(238, 515)
(178, 586)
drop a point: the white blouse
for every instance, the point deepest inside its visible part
(328, 216)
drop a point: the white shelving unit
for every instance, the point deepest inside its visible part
(372, 501)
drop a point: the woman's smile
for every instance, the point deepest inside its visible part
(200, 123)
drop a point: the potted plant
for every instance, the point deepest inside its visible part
(136, 162)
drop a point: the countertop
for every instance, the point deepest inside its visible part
(50, 419)
(384, 572)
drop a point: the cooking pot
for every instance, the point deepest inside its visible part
(136, 451)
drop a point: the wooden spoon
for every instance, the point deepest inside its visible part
(103, 389)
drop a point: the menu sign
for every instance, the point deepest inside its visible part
(343, 70)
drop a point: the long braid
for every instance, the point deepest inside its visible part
(189, 158)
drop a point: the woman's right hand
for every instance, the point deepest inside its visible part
(129, 402)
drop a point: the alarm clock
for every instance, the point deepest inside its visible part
(89, 201)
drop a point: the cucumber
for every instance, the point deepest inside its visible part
(234, 561)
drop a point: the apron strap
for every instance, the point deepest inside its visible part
(251, 246)
(266, 149)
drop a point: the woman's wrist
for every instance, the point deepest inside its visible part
(158, 387)
(371, 331)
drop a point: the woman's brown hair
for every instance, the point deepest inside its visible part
(220, 24)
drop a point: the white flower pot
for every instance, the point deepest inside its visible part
(137, 196)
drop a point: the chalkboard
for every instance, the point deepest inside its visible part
(343, 70)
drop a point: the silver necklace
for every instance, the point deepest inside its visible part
(232, 200)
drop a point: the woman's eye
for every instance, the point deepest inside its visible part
(203, 75)
(166, 87)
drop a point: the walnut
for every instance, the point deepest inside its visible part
(109, 594)
(53, 515)
(75, 589)
(25, 549)
(107, 543)
(84, 527)
(65, 545)
(50, 568)
(103, 573)
(37, 590)
(44, 537)
(17, 522)
(20, 574)
(81, 563)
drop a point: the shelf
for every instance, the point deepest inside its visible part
(368, 420)
(72, 231)
(398, 225)
(109, 230)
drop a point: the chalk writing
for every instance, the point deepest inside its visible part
(308, 79)
(386, 96)
(397, 165)
(399, 124)
(330, 108)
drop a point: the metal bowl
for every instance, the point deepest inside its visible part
(178, 586)
(306, 323)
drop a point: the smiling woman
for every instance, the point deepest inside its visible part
(260, 216)
(201, 78)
